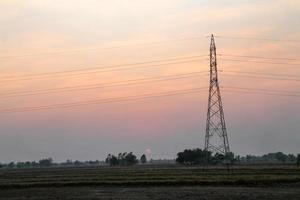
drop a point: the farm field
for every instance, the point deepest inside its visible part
(151, 182)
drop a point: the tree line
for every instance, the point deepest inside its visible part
(186, 157)
(199, 156)
(45, 162)
(277, 157)
(124, 159)
(48, 162)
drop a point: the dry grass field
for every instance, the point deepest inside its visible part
(151, 182)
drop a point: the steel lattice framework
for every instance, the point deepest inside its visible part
(216, 139)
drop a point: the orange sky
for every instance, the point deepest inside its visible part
(57, 35)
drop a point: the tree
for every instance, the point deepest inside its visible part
(77, 163)
(20, 164)
(112, 160)
(229, 157)
(218, 158)
(34, 164)
(281, 157)
(194, 156)
(123, 159)
(180, 158)
(27, 164)
(238, 159)
(130, 159)
(143, 159)
(200, 157)
(298, 160)
(69, 162)
(46, 162)
(292, 158)
(11, 165)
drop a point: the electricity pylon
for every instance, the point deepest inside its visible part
(216, 135)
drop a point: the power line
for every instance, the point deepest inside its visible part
(138, 81)
(139, 44)
(259, 57)
(264, 62)
(128, 83)
(103, 70)
(261, 77)
(265, 90)
(104, 85)
(258, 73)
(109, 66)
(102, 101)
(146, 96)
(99, 48)
(256, 38)
(106, 67)
(263, 93)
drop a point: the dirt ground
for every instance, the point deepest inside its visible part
(154, 193)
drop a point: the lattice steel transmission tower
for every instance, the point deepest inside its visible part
(216, 139)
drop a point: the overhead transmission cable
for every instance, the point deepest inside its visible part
(99, 48)
(262, 93)
(263, 62)
(140, 44)
(264, 90)
(258, 57)
(104, 85)
(136, 82)
(256, 38)
(151, 95)
(101, 69)
(258, 77)
(104, 100)
(259, 73)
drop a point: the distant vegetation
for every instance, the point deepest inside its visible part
(48, 162)
(123, 159)
(143, 159)
(186, 157)
(198, 157)
(278, 157)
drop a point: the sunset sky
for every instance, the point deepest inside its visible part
(42, 41)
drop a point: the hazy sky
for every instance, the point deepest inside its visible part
(58, 35)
